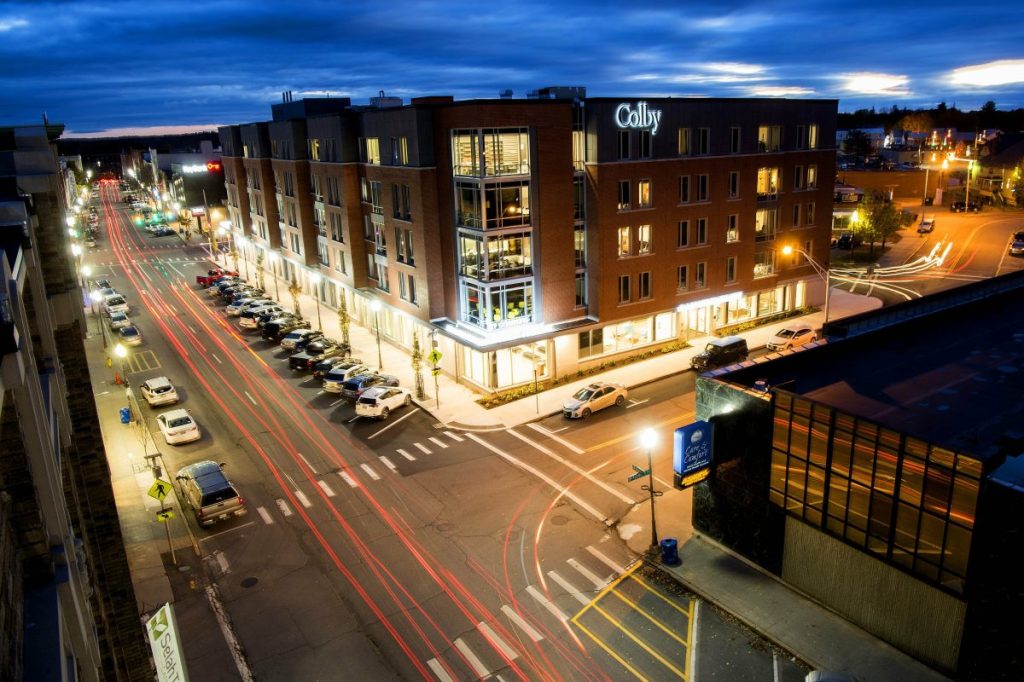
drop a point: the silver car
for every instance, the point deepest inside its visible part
(594, 397)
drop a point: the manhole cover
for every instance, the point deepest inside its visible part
(559, 520)
(250, 581)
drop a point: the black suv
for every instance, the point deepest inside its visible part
(275, 330)
(321, 368)
(314, 352)
(720, 352)
(962, 207)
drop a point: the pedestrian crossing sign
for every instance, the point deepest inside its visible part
(164, 515)
(159, 489)
(434, 357)
(435, 371)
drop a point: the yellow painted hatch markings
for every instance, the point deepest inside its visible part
(639, 642)
(610, 586)
(636, 607)
(608, 649)
(688, 612)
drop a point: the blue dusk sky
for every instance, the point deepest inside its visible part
(114, 67)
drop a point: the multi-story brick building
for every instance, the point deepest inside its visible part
(67, 606)
(547, 233)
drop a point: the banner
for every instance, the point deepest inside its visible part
(691, 453)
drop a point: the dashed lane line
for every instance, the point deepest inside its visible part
(348, 479)
(326, 488)
(303, 499)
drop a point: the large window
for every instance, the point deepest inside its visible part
(465, 153)
(506, 152)
(643, 193)
(507, 204)
(624, 336)
(373, 150)
(497, 306)
(769, 138)
(625, 203)
(509, 255)
(471, 255)
(764, 264)
(467, 205)
(767, 183)
(765, 224)
(907, 502)
(684, 142)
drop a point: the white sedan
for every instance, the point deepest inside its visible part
(792, 336)
(594, 397)
(159, 391)
(178, 426)
(379, 401)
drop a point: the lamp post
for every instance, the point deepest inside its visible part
(314, 279)
(375, 307)
(967, 185)
(273, 270)
(823, 272)
(243, 242)
(647, 439)
(96, 297)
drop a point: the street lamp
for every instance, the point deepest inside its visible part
(96, 297)
(375, 307)
(967, 192)
(273, 269)
(823, 272)
(314, 278)
(121, 352)
(243, 242)
(647, 439)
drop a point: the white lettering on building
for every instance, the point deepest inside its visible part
(640, 118)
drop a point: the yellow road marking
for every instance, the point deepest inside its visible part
(685, 420)
(636, 565)
(640, 643)
(609, 651)
(689, 636)
(659, 595)
(646, 615)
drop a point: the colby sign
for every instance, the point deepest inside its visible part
(640, 118)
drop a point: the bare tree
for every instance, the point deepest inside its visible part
(294, 289)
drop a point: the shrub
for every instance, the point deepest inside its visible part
(752, 324)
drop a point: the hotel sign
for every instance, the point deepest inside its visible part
(691, 453)
(640, 118)
(164, 641)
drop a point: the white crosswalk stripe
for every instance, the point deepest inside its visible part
(348, 479)
(283, 506)
(389, 464)
(496, 641)
(474, 662)
(405, 454)
(454, 436)
(521, 623)
(326, 488)
(588, 574)
(438, 442)
(439, 670)
(303, 500)
(265, 515)
(370, 472)
(610, 563)
(546, 603)
(423, 449)
(568, 587)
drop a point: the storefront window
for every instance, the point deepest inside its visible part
(664, 326)
(616, 338)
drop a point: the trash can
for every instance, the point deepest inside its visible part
(126, 415)
(670, 552)
(928, 201)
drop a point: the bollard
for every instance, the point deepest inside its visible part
(670, 552)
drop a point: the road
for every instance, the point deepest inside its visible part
(974, 245)
(401, 549)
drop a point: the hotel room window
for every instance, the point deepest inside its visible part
(645, 144)
(734, 184)
(624, 245)
(623, 144)
(644, 285)
(625, 202)
(684, 142)
(702, 231)
(734, 140)
(624, 288)
(732, 232)
(730, 269)
(703, 141)
(699, 279)
(684, 189)
(643, 239)
(643, 192)
(702, 187)
(683, 234)
(682, 278)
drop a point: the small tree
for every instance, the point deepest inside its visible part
(294, 289)
(417, 365)
(260, 272)
(343, 320)
(881, 220)
(234, 255)
(857, 143)
(185, 222)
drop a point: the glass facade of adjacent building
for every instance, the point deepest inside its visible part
(898, 498)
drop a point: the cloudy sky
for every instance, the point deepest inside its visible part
(106, 66)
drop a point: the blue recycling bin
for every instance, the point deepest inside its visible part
(126, 415)
(670, 552)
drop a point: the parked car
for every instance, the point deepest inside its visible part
(250, 318)
(592, 398)
(275, 330)
(926, 225)
(1017, 244)
(162, 231)
(238, 306)
(792, 336)
(334, 380)
(207, 279)
(298, 339)
(355, 386)
(178, 427)
(380, 401)
(130, 335)
(100, 284)
(315, 351)
(322, 368)
(962, 207)
(115, 304)
(267, 318)
(848, 241)
(119, 320)
(108, 292)
(209, 493)
(720, 352)
(159, 391)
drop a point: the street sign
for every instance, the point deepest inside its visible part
(435, 371)
(164, 515)
(434, 357)
(639, 473)
(159, 489)
(163, 640)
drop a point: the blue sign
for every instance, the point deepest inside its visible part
(691, 453)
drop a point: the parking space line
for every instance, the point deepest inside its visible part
(326, 488)
(588, 574)
(423, 449)
(339, 400)
(370, 472)
(558, 439)
(404, 416)
(634, 403)
(405, 454)
(619, 570)
(283, 506)
(265, 515)
(454, 436)
(521, 623)
(389, 464)
(348, 479)
(303, 500)
(475, 663)
(547, 603)
(439, 670)
(496, 641)
(438, 442)
(568, 587)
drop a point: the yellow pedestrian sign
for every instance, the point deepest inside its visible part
(164, 515)
(435, 371)
(434, 357)
(159, 489)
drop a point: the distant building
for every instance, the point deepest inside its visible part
(67, 604)
(882, 473)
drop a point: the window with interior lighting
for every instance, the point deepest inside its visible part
(643, 239)
(643, 192)
(684, 142)
(769, 138)
(812, 136)
(764, 264)
(507, 204)
(812, 177)
(625, 247)
(767, 183)
(732, 230)
(506, 151)
(372, 150)
(581, 289)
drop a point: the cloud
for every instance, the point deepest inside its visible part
(867, 83)
(1002, 72)
(10, 24)
(779, 91)
(735, 67)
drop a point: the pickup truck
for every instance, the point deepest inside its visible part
(207, 279)
(209, 493)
